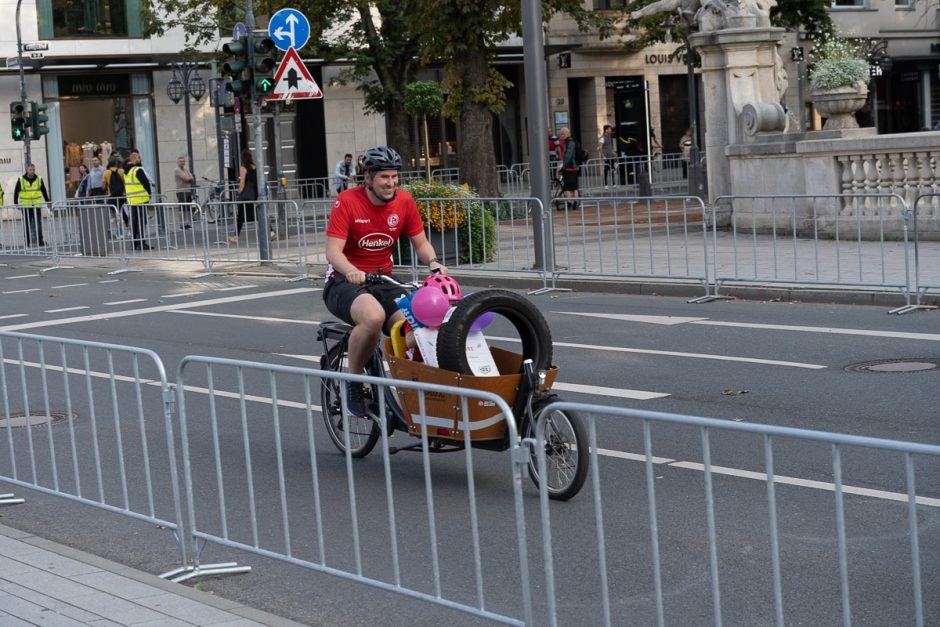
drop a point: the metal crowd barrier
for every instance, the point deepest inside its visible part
(653, 237)
(918, 287)
(91, 422)
(669, 547)
(256, 476)
(832, 239)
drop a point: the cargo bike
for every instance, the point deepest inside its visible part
(524, 382)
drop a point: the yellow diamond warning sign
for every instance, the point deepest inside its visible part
(293, 80)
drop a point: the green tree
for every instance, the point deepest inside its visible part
(371, 35)
(462, 35)
(424, 98)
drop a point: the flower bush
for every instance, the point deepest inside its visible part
(435, 211)
(838, 62)
(473, 224)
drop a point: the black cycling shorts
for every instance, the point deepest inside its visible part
(339, 296)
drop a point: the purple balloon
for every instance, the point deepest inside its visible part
(429, 306)
(485, 320)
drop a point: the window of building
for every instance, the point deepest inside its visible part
(904, 4)
(79, 19)
(610, 5)
(848, 3)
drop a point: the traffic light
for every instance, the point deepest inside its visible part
(235, 67)
(265, 62)
(38, 119)
(17, 121)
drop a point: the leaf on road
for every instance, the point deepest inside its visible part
(732, 392)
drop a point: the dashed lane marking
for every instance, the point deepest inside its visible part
(21, 276)
(111, 315)
(126, 302)
(673, 320)
(61, 287)
(32, 289)
(13, 316)
(235, 287)
(181, 295)
(66, 309)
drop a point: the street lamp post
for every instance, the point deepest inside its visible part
(694, 160)
(186, 82)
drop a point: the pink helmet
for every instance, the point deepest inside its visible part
(446, 284)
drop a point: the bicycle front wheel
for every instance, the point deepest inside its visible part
(363, 432)
(566, 451)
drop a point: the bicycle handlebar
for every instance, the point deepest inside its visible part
(377, 278)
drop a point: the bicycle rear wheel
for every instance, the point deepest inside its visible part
(566, 451)
(363, 432)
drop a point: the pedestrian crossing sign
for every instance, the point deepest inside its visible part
(293, 80)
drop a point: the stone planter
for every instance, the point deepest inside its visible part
(839, 105)
(446, 244)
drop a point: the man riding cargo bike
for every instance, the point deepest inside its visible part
(435, 337)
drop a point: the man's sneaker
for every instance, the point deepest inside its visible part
(355, 399)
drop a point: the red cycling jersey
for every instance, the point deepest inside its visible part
(371, 231)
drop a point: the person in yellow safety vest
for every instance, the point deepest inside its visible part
(137, 189)
(30, 193)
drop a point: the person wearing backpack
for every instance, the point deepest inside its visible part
(570, 170)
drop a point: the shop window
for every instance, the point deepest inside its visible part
(610, 5)
(80, 19)
(904, 4)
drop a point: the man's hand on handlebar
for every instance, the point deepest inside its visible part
(436, 267)
(356, 277)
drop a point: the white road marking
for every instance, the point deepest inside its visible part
(13, 316)
(33, 289)
(672, 320)
(596, 390)
(180, 295)
(314, 358)
(808, 483)
(158, 309)
(60, 287)
(649, 351)
(237, 287)
(109, 281)
(665, 320)
(126, 302)
(929, 337)
(22, 276)
(66, 309)
(243, 317)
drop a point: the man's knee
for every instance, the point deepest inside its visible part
(368, 312)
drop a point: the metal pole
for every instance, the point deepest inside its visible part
(537, 111)
(19, 57)
(694, 173)
(799, 83)
(261, 210)
(217, 87)
(187, 70)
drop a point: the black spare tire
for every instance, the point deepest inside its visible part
(519, 311)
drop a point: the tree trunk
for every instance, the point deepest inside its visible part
(476, 155)
(397, 135)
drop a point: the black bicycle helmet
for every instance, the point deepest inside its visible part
(381, 158)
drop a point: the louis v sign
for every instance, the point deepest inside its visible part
(289, 28)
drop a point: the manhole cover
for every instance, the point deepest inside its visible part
(32, 419)
(913, 364)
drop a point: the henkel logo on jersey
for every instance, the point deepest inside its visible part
(376, 241)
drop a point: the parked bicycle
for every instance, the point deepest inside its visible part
(527, 391)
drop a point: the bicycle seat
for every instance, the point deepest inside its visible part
(334, 329)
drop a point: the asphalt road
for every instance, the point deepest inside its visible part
(795, 364)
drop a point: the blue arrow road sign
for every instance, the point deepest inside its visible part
(289, 28)
(239, 30)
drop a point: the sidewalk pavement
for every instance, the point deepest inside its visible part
(45, 583)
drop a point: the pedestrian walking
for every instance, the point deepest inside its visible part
(569, 171)
(183, 180)
(30, 193)
(113, 182)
